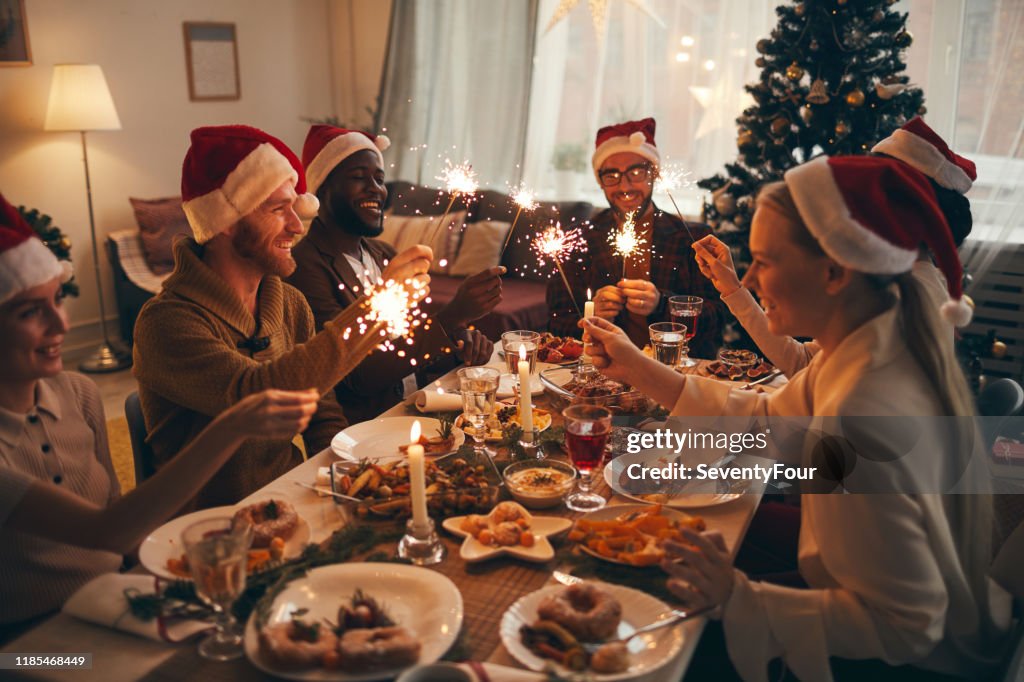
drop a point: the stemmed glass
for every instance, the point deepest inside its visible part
(511, 342)
(218, 551)
(587, 428)
(478, 386)
(685, 310)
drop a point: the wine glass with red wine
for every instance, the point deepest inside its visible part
(685, 310)
(587, 428)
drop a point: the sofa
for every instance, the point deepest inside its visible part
(469, 241)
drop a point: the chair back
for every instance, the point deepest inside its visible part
(142, 454)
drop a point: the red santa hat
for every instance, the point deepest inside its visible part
(632, 136)
(25, 261)
(917, 145)
(230, 170)
(871, 214)
(327, 146)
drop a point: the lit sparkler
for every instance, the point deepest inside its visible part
(626, 241)
(526, 201)
(672, 178)
(394, 306)
(459, 180)
(555, 244)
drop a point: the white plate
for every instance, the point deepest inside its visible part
(423, 601)
(698, 493)
(381, 438)
(507, 385)
(165, 542)
(612, 512)
(542, 527)
(648, 652)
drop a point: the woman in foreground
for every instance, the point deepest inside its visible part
(898, 577)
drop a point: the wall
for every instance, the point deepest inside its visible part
(359, 48)
(283, 49)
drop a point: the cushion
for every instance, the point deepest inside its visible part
(522, 305)
(402, 232)
(480, 249)
(161, 223)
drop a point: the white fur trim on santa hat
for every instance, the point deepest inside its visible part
(246, 187)
(957, 312)
(27, 265)
(826, 215)
(339, 149)
(922, 155)
(635, 143)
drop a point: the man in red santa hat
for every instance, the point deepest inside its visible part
(626, 162)
(340, 258)
(225, 325)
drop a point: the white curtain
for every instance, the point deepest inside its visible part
(686, 65)
(456, 86)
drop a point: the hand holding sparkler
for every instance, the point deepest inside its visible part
(526, 201)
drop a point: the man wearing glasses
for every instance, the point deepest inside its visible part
(626, 164)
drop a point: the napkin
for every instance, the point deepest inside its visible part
(469, 672)
(429, 400)
(102, 601)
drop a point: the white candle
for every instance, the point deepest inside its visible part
(588, 311)
(417, 478)
(525, 397)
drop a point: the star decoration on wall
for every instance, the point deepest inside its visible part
(598, 12)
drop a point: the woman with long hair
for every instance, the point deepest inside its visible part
(899, 577)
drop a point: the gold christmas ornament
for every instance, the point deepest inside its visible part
(807, 114)
(841, 3)
(762, 45)
(999, 349)
(904, 38)
(855, 98)
(780, 126)
(759, 62)
(842, 129)
(65, 243)
(745, 139)
(818, 93)
(922, 111)
(794, 72)
(799, 9)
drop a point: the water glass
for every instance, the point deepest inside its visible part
(478, 386)
(587, 428)
(668, 340)
(685, 310)
(512, 341)
(218, 551)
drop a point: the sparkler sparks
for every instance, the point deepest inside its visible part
(555, 244)
(395, 305)
(626, 241)
(670, 179)
(459, 180)
(526, 200)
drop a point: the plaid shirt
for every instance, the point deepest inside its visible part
(673, 271)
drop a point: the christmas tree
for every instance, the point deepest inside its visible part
(55, 240)
(832, 81)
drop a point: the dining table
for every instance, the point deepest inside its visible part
(488, 589)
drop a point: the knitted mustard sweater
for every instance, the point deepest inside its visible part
(190, 367)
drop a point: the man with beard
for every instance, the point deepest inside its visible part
(340, 258)
(225, 326)
(626, 163)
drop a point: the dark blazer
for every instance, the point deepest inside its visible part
(330, 285)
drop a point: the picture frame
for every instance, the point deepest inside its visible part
(15, 49)
(211, 59)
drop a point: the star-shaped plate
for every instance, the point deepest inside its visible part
(542, 527)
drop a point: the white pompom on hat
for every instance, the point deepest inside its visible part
(25, 261)
(230, 170)
(871, 214)
(327, 146)
(917, 145)
(636, 137)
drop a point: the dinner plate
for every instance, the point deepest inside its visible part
(381, 438)
(165, 542)
(708, 493)
(648, 652)
(542, 527)
(612, 512)
(424, 602)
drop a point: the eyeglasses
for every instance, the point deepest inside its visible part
(641, 172)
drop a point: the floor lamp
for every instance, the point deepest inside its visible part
(80, 101)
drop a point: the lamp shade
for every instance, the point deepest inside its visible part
(80, 100)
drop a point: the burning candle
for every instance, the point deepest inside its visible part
(525, 397)
(588, 311)
(417, 478)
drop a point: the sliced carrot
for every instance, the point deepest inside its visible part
(526, 539)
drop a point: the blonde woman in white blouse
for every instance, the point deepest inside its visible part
(897, 577)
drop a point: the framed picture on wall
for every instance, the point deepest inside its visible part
(14, 47)
(211, 57)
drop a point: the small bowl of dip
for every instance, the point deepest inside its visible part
(539, 483)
